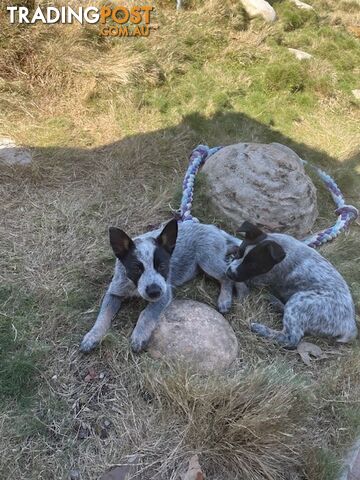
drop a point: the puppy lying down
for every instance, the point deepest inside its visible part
(311, 293)
(150, 265)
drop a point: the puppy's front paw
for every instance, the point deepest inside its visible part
(224, 305)
(89, 342)
(139, 341)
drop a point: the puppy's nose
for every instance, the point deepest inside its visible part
(153, 291)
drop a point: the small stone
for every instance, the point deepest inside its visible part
(12, 154)
(107, 423)
(260, 8)
(101, 375)
(299, 54)
(303, 5)
(54, 377)
(356, 93)
(196, 335)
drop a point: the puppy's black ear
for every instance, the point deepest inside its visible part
(252, 232)
(276, 252)
(120, 242)
(167, 238)
(261, 259)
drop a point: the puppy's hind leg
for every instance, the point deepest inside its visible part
(216, 267)
(288, 337)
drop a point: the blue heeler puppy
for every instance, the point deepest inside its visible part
(312, 295)
(151, 264)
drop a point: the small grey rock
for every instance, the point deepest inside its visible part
(299, 54)
(195, 334)
(356, 93)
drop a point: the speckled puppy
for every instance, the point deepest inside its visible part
(151, 264)
(312, 295)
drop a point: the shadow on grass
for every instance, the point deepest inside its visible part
(223, 128)
(160, 157)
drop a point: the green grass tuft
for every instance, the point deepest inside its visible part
(291, 77)
(323, 465)
(293, 18)
(18, 376)
(19, 356)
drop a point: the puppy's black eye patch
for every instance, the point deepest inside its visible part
(162, 261)
(138, 267)
(134, 268)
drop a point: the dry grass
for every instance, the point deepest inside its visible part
(111, 124)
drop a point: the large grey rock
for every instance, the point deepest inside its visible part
(263, 183)
(255, 8)
(12, 154)
(196, 335)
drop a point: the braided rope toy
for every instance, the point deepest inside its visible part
(346, 213)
